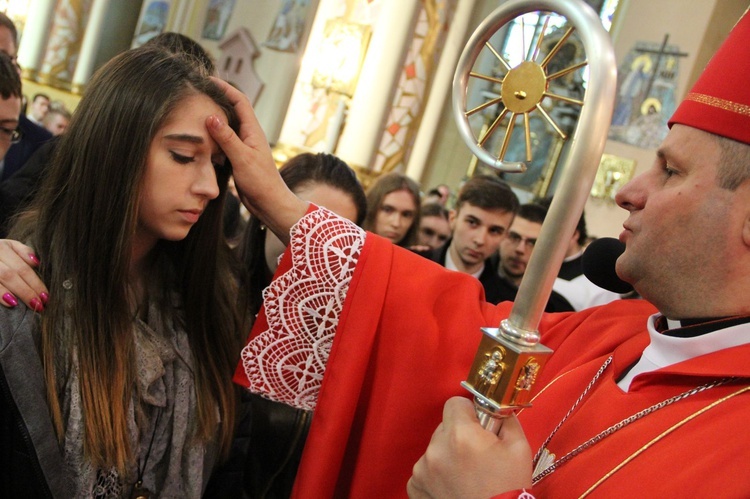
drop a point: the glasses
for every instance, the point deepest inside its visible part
(13, 60)
(13, 135)
(517, 238)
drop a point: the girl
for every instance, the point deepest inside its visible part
(393, 209)
(322, 179)
(123, 385)
(279, 431)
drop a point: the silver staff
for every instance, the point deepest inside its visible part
(510, 357)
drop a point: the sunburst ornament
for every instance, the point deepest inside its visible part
(522, 90)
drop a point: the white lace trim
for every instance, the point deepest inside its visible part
(286, 362)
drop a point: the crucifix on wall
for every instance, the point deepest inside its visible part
(646, 93)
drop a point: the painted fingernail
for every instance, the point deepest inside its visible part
(36, 305)
(217, 122)
(44, 296)
(10, 299)
(34, 258)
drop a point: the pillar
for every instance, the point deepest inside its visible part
(35, 32)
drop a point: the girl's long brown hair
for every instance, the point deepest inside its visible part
(82, 225)
(392, 182)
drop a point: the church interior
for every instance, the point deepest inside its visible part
(371, 81)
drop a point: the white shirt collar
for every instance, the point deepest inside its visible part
(665, 350)
(449, 264)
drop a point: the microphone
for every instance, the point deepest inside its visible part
(599, 264)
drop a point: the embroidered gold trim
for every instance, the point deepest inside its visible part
(727, 105)
(660, 436)
(547, 386)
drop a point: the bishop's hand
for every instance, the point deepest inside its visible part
(465, 460)
(259, 184)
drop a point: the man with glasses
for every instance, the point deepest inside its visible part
(516, 249)
(10, 104)
(32, 136)
(571, 282)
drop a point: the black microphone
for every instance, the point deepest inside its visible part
(599, 264)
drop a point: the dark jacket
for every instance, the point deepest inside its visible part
(497, 289)
(32, 138)
(32, 463)
(19, 189)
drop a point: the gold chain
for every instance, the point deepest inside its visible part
(660, 436)
(542, 454)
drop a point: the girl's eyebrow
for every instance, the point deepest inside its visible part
(185, 137)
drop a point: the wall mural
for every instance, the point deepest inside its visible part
(217, 18)
(414, 84)
(61, 56)
(647, 82)
(289, 25)
(153, 20)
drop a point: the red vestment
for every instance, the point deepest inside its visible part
(406, 337)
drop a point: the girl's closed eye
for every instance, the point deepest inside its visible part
(179, 158)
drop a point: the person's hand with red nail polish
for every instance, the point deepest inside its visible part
(19, 281)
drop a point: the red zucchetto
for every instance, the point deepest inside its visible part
(719, 102)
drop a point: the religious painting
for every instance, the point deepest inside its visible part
(153, 21)
(64, 44)
(613, 173)
(289, 26)
(646, 86)
(217, 18)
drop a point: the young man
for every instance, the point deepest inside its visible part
(38, 109)
(57, 120)
(484, 210)
(32, 135)
(516, 250)
(434, 226)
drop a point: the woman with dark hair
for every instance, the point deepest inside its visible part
(279, 431)
(177, 43)
(393, 209)
(123, 385)
(322, 179)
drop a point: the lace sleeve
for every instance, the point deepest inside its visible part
(287, 360)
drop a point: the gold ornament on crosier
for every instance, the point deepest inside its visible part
(522, 90)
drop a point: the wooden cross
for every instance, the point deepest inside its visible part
(659, 54)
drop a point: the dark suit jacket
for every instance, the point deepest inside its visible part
(32, 137)
(497, 289)
(19, 189)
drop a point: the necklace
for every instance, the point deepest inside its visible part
(546, 462)
(139, 491)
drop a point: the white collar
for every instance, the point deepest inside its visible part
(665, 350)
(449, 264)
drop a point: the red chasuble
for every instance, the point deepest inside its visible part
(406, 337)
(691, 448)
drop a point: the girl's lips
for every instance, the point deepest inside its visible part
(191, 216)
